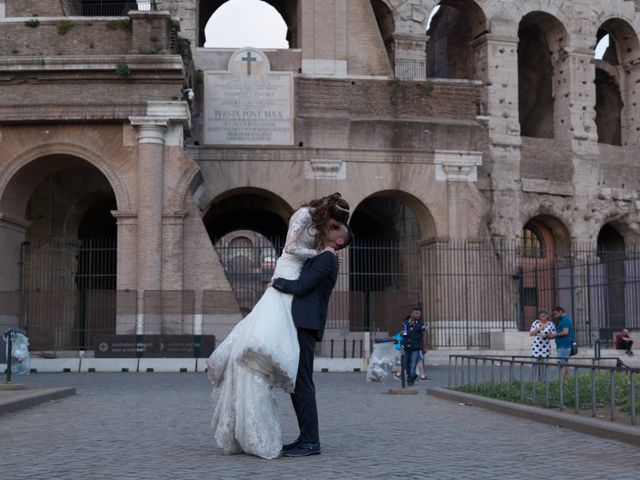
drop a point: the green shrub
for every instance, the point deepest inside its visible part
(64, 26)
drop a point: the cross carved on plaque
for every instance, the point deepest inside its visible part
(249, 59)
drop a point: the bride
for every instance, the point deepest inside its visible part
(262, 351)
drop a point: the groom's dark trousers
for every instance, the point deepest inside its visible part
(309, 311)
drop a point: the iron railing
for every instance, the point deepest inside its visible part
(467, 290)
(585, 386)
(111, 8)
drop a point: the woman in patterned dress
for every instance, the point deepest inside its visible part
(541, 344)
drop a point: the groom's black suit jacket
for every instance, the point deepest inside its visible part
(311, 292)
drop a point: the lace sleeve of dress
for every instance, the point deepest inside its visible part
(295, 245)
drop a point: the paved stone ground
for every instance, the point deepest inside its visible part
(156, 426)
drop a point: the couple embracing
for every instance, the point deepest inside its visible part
(274, 345)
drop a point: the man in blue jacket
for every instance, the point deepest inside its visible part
(309, 311)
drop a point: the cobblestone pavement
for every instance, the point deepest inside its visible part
(156, 426)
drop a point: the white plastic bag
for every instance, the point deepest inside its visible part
(20, 362)
(381, 361)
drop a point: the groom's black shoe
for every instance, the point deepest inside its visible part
(290, 446)
(303, 450)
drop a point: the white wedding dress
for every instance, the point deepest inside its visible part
(260, 353)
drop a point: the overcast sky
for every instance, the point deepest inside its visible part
(246, 23)
(254, 23)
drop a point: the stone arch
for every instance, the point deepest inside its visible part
(617, 118)
(541, 51)
(425, 221)
(544, 242)
(611, 245)
(247, 208)
(453, 28)
(31, 166)
(286, 8)
(553, 229)
(385, 260)
(77, 214)
(629, 235)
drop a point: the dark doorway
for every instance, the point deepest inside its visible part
(612, 256)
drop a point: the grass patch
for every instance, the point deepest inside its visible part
(91, 370)
(183, 370)
(33, 23)
(150, 370)
(124, 370)
(124, 25)
(66, 370)
(535, 392)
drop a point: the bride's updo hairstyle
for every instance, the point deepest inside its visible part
(322, 209)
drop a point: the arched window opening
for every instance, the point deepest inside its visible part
(535, 75)
(249, 260)
(245, 23)
(616, 41)
(608, 108)
(611, 251)
(532, 243)
(451, 28)
(384, 19)
(448, 50)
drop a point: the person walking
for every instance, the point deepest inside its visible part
(414, 335)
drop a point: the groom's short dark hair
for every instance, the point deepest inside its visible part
(348, 238)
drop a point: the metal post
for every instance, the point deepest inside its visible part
(448, 373)
(521, 382)
(402, 372)
(612, 377)
(510, 381)
(546, 385)
(593, 392)
(8, 335)
(633, 398)
(577, 405)
(561, 383)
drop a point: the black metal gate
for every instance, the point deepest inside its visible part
(68, 292)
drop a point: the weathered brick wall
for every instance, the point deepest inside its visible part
(371, 98)
(54, 90)
(27, 8)
(45, 37)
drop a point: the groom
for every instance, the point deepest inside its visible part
(309, 310)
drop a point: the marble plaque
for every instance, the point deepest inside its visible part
(248, 104)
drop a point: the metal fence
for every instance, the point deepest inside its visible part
(111, 8)
(585, 386)
(467, 290)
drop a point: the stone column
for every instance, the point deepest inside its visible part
(127, 280)
(629, 80)
(496, 64)
(323, 29)
(458, 169)
(575, 99)
(151, 134)
(409, 57)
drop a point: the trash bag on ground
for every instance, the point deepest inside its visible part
(20, 362)
(381, 362)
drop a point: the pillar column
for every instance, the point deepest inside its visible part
(458, 169)
(496, 64)
(151, 134)
(629, 75)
